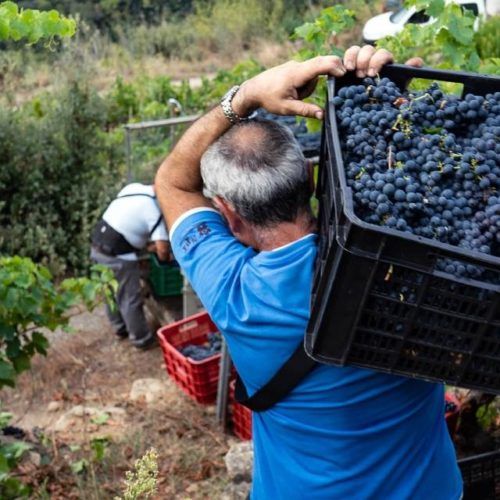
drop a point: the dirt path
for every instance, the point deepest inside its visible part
(80, 394)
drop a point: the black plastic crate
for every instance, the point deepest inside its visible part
(481, 475)
(440, 327)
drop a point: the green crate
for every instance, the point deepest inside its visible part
(166, 279)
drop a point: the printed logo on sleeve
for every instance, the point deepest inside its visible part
(194, 236)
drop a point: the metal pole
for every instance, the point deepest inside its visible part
(190, 302)
(171, 123)
(223, 386)
(128, 147)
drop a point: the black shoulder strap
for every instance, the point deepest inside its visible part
(157, 223)
(298, 365)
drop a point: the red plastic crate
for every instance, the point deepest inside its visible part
(242, 417)
(198, 379)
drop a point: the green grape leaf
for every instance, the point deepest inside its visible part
(4, 27)
(13, 348)
(21, 362)
(460, 30)
(8, 9)
(40, 342)
(7, 373)
(435, 8)
(79, 466)
(32, 25)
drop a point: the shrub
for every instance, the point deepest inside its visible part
(30, 305)
(59, 169)
(171, 40)
(487, 38)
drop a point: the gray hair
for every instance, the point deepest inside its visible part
(259, 168)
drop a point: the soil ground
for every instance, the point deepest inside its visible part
(90, 368)
(86, 431)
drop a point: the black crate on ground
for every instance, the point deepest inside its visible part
(438, 327)
(481, 475)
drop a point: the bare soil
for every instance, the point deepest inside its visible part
(89, 368)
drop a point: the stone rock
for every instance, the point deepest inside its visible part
(54, 406)
(35, 458)
(239, 461)
(149, 390)
(73, 418)
(193, 488)
(236, 491)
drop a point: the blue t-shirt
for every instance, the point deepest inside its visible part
(342, 433)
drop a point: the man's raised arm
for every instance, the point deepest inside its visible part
(279, 90)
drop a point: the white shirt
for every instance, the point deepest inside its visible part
(134, 213)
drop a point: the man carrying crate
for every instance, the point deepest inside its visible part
(131, 221)
(235, 195)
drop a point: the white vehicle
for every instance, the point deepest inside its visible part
(391, 23)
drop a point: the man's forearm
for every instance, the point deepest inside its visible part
(183, 163)
(178, 181)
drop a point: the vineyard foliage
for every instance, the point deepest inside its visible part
(63, 156)
(450, 42)
(32, 25)
(60, 167)
(30, 305)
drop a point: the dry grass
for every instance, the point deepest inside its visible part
(25, 76)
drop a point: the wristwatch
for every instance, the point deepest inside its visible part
(227, 108)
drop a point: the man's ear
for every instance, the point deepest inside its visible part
(229, 213)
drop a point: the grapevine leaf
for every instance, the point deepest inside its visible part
(305, 31)
(313, 125)
(21, 363)
(79, 466)
(7, 331)
(40, 342)
(23, 280)
(13, 348)
(460, 30)
(32, 25)
(4, 27)
(4, 464)
(7, 373)
(435, 8)
(9, 9)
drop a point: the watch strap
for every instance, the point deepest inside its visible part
(227, 107)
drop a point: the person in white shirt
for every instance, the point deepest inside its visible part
(128, 226)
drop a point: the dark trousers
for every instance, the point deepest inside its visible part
(128, 315)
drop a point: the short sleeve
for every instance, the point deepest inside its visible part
(210, 256)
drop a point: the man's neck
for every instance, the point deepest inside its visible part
(284, 233)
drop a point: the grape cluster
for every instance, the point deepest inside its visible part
(199, 352)
(424, 163)
(310, 142)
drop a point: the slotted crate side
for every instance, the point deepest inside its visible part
(165, 278)
(242, 422)
(364, 324)
(440, 328)
(198, 379)
(481, 476)
(241, 416)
